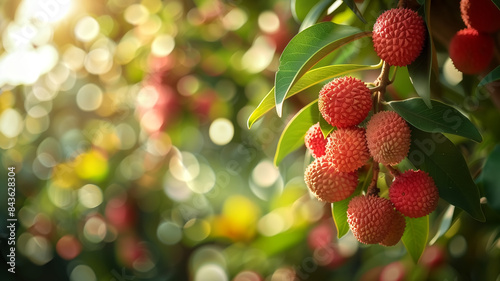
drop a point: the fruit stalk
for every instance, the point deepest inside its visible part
(373, 190)
(392, 170)
(380, 83)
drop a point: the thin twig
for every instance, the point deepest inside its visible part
(380, 86)
(394, 172)
(373, 190)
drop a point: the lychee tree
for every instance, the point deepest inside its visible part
(384, 155)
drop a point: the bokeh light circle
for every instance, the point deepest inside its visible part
(162, 45)
(86, 29)
(89, 97)
(82, 273)
(221, 131)
(169, 233)
(211, 272)
(90, 196)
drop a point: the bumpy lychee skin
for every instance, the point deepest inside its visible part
(347, 149)
(327, 184)
(315, 141)
(369, 218)
(471, 51)
(388, 137)
(344, 102)
(398, 36)
(414, 194)
(396, 230)
(481, 15)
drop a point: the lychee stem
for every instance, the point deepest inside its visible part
(373, 190)
(381, 83)
(394, 172)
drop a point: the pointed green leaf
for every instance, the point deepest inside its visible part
(309, 79)
(440, 118)
(445, 223)
(438, 156)
(325, 127)
(494, 75)
(305, 50)
(339, 209)
(420, 69)
(315, 14)
(415, 236)
(300, 8)
(294, 133)
(489, 179)
(339, 215)
(352, 5)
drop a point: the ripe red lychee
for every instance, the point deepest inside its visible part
(414, 194)
(344, 102)
(326, 183)
(396, 230)
(471, 51)
(369, 218)
(398, 36)
(388, 137)
(481, 15)
(347, 149)
(315, 141)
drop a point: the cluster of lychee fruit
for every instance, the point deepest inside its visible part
(345, 103)
(471, 49)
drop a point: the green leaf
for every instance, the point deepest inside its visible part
(445, 223)
(294, 133)
(415, 236)
(494, 75)
(339, 209)
(420, 69)
(300, 8)
(438, 156)
(489, 179)
(354, 9)
(309, 79)
(272, 245)
(339, 215)
(315, 14)
(325, 127)
(305, 50)
(440, 118)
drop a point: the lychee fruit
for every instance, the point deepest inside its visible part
(326, 183)
(414, 194)
(481, 15)
(315, 141)
(345, 102)
(471, 51)
(347, 149)
(369, 218)
(396, 230)
(388, 137)
(399, 36)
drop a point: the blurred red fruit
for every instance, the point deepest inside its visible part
(68, 247)
(120, 214)
(433, 257)
(393, 272)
